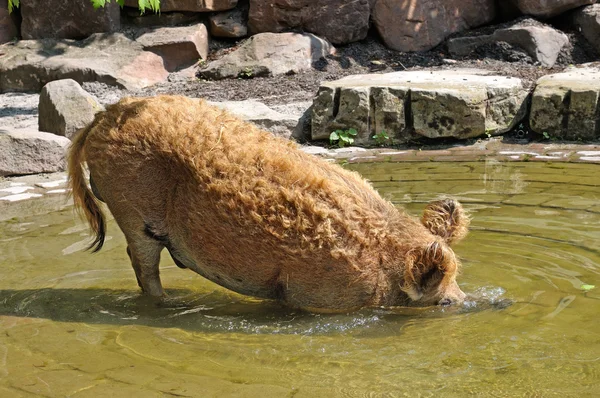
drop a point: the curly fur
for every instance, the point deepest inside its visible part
(252, 212)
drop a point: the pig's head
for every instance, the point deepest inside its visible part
(430, 270)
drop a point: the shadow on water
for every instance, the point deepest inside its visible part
(216, 311)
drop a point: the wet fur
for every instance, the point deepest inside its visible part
(255, 214)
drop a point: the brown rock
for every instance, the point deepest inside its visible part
(339, 21)
(179, 47)
(549, 8)
(190, 5)
(67, 19)
(8, 28)
(418, 25)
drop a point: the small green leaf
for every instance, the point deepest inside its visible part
(334, 136)
(121, 3)
(587, 288)
(98, 3)
(352, 132)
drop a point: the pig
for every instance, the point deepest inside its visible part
(255, 214)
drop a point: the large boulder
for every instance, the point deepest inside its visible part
(179, 47)
(190, 5)
(408, 25)
(548, 8)
(8, 27)
(65, 108)
(269, 54)
(28, 151)
(62, 19)
(112, 59)
(542, 42)
(566, 105)
(460, 104)
(339, 21)
(587, 21)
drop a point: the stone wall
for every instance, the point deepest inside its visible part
(403, 25)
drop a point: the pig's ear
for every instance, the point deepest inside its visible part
(425, 268)
(447, 219)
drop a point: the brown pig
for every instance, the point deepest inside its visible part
(253, 213)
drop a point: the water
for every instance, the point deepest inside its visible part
(74, 324)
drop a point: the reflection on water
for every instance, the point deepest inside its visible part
(74, 324)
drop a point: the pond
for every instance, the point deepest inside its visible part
(74, 324)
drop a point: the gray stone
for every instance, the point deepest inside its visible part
(407, 25)
(8, 27)
(270, 54)
(190, 5)
(230, 24)
(338, 21)
(566, 105)
(461, 104)
(587, 21)
(549, 8)
(179, 47)
(61, 19)
(542, 43)
(65, 108)
(286, 121)
(28, 151)
(107, 58)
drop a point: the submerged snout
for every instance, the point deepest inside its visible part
(452, 296)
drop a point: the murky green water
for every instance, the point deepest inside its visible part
(73, 324)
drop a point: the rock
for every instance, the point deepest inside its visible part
(65, 108)
(407, 25)
(543, 43)
(287, 121)
(566, 105)
(338, 21)
(8, 27)
(147, 19)
(230, 24)
(112, 59)
(546, 8)
(28, 151)
(587, 21)
(463, 46)
(190, 5)
(460, 103)
(179, 47)
(61, 19)
(270, 54)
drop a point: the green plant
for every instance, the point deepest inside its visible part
(546, 135)
(381, 138)
(343, 137)
(246, 73)
(143, 5)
